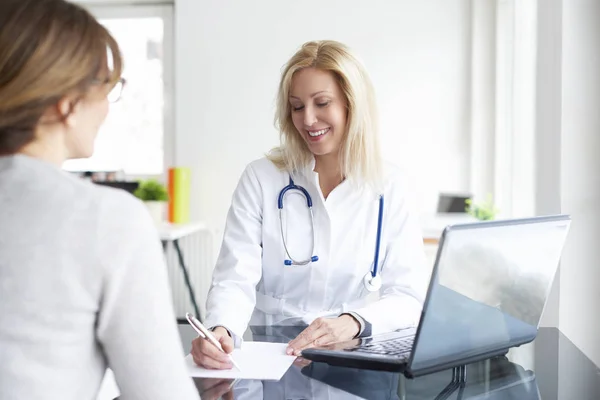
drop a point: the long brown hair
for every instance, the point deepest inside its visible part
(48, 49)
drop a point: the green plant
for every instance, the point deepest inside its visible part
(151, 190)
(485, 211)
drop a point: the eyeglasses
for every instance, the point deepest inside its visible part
(117, 91)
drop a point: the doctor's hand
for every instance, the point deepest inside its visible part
(206, 355)
(324, 331)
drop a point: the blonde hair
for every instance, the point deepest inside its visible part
(360, 155)
(48, 49)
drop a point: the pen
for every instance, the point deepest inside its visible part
(205, 333)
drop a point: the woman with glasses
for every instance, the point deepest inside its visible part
(83, 285)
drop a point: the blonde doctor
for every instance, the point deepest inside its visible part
(319, 232)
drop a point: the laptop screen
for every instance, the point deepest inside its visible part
(489, 288)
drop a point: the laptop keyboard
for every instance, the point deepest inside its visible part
(394, 347)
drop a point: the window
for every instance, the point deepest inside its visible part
(135, 137)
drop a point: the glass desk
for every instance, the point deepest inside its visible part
(550, 368)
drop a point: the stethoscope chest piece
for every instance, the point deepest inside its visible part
(372, 283)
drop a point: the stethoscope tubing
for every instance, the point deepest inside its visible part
(291, 261)
(372, 280)
(378, 238)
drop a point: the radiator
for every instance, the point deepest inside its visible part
(199, 252)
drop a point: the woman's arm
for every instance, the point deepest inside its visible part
(232, 295)
(403, 270)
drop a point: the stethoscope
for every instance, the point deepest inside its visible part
(372, 281)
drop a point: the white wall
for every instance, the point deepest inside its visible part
(580, 175)
(481, 106)
(547, 160)
(567, 163)
(228, 60)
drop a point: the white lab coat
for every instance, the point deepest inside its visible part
(250, 269)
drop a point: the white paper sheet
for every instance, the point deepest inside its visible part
(257, 360)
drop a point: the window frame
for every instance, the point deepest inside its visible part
(165, 11)
(502, 153)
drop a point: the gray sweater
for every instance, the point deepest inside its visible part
(83, 286)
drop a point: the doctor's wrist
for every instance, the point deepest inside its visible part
(220, 329)
(355, 323)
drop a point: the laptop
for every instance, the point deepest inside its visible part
(488, 289)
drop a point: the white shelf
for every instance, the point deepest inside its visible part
(170, 232)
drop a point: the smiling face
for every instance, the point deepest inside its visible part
(319, 110)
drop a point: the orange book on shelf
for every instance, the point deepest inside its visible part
(179, 194)
(171, 190)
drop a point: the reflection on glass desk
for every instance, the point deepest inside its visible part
(566, 374)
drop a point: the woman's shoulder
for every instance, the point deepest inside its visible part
(115, 208)
(123, 219)
(83, 195)
(263, 168)
(79, 200)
